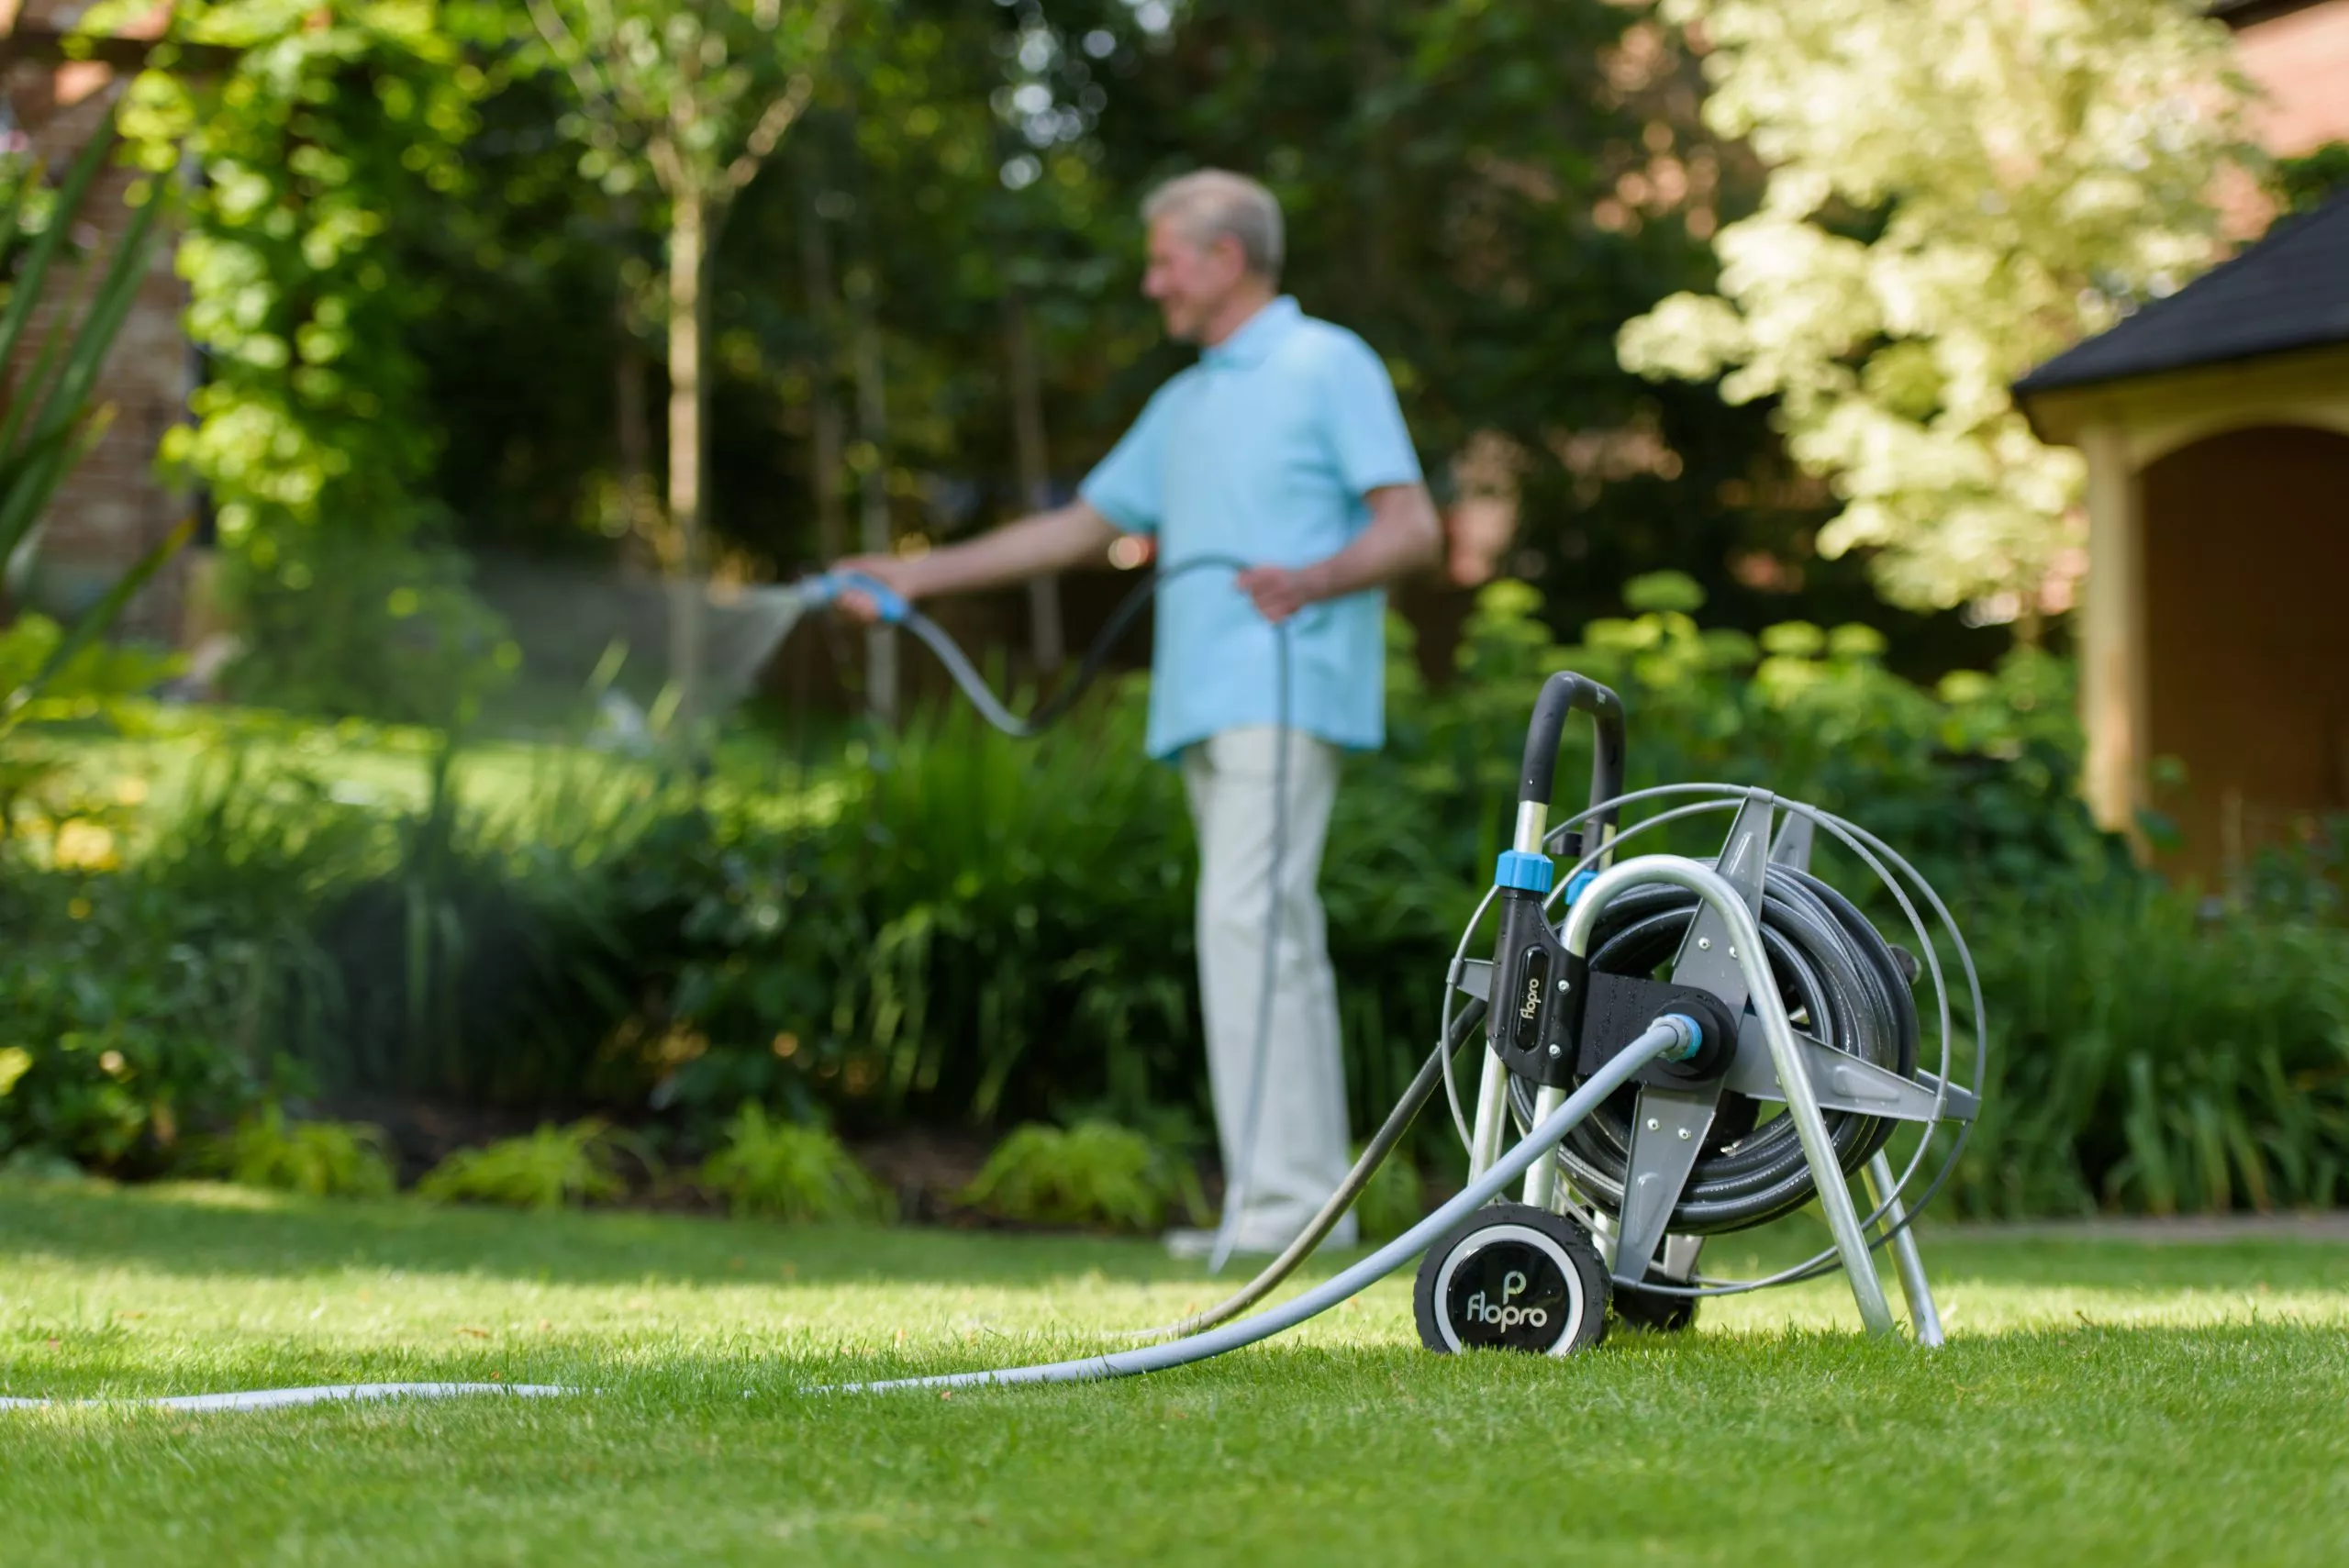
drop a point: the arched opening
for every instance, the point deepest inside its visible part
(2247, 636)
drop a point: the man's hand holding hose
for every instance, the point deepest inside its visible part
(1048, 541)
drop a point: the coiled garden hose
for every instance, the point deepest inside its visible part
(1840, 979)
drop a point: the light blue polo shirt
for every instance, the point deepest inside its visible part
(1261, 450)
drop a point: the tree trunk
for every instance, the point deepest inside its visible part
(1374, 72)
(639, 511)
(871, 429)
(688, 216)
(633, 433)
(1045, 640)
(829, 434)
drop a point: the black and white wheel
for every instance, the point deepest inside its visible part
(1512, 1278)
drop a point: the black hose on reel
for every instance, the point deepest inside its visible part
(1842, 981)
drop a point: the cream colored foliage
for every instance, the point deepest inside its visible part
(1957, 190)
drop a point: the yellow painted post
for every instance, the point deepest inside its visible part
(2114, 700)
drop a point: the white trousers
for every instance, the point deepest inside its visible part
(1300, 1150)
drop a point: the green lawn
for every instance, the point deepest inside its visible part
(2100, 1403)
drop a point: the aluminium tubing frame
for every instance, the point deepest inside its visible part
(1535, 1146)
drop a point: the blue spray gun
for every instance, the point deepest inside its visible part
(826, 588)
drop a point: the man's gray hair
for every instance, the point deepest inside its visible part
(1211, 203)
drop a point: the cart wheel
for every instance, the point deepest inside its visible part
(1653, 1310)
(1512, 1278)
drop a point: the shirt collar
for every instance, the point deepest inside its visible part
(1256, 336)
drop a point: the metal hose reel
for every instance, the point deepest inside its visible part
(1823, 1040)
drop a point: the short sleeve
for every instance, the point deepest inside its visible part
(1128, 486)
(1372, 444)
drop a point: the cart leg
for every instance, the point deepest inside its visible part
(1810, 1127)
(1911, 1262)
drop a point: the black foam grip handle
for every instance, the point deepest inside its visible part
(1562, 694)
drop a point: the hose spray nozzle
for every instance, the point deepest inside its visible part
(826, 587)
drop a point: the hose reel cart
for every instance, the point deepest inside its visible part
(1789, 997)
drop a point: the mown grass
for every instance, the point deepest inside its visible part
(2105, 1402)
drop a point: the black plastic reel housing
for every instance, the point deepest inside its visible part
(1511, 1277)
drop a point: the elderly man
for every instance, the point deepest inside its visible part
(1283, 447)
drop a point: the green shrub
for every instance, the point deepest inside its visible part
(317, 1159)
(782, 1169)
(1096, 1173)
(552, 1168)
(2146, 1059)
(126, 1016)
(35, 1165)
(1001, 930)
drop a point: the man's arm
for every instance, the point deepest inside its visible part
(1402, 536)
(1047, 541)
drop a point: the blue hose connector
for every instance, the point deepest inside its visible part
(1524, 871)
(827, 586)
(1695, 1041)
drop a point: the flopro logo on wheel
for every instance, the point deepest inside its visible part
(1512, 1278)
(1508, 1294)
(1500, 1313)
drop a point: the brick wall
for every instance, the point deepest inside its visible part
(113, 508)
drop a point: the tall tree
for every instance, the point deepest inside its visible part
(699, 93)
(1956, 190)
(1485, 192)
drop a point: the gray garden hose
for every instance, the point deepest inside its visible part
(895, 609)
(1666, 1035)
(1373, 1154)
(319, 1394)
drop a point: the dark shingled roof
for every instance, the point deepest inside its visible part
(2290, 290)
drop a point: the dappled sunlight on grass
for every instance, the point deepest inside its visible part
(146, 1268)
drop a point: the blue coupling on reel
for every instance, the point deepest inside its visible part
(826, 587)
(1694, 1043)
(1526, 871)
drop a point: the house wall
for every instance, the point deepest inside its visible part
(2298, 59)
(2246, 637)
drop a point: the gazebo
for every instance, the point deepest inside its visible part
(2215, 424)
